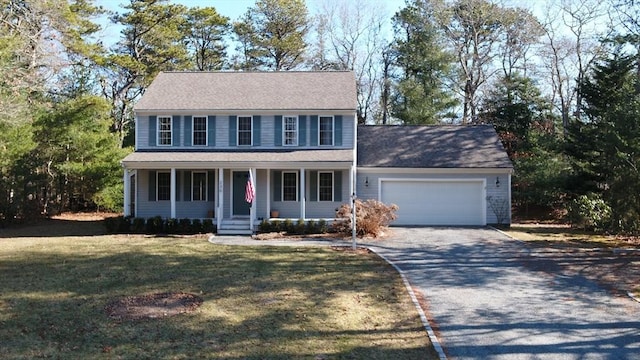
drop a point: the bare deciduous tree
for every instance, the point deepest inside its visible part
(355, 41)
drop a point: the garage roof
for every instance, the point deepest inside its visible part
(413, 146)
(232, 91)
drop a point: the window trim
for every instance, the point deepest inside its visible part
(159, 131)
(284, 130)
(158, 185)
(205, 185)
(238, 130)
(193, 130)
(333, 185)
(297, 185)
(333, 130)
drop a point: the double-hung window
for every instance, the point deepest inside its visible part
(326, 130)
(163, 186)
(325, 186)
(199, 186)
(199, 130)
(164, 130)
(289, 186)
(244, 130)
(290, 129)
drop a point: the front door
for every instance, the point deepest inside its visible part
(240, 206)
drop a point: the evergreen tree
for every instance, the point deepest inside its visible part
(151, 42)
(527, 129)
(272, 35)
(421, 95)
(204, 30)
(605, 142)
(76, 153)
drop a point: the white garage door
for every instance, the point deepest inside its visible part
(429, 202)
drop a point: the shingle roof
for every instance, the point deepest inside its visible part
(153, 158)
(473, 146)
(282, 90)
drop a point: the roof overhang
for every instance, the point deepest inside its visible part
(226, 112)
(428, 171)
(317, 159)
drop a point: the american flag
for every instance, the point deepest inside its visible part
(250, 190)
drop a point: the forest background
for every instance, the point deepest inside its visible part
(558, 79)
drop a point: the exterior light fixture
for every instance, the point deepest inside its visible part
(497, 182)
(366, 181)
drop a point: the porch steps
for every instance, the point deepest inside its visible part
(235, 227)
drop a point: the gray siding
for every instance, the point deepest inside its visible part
(200, 209)
(313, 209)
(267, 135)
(493, 193)
(184, 209)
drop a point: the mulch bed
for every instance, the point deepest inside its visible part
(153, 306)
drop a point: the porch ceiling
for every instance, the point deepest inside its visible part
(239, 159)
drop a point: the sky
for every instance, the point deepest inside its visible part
(232, 9)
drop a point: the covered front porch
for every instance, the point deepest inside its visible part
(210, 190)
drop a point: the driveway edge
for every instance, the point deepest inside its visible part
(425, 322)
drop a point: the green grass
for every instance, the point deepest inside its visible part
(259, 302)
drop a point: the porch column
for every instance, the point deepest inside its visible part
(172, 196)
(252, 209)
(303, 199)
(220, 198)
(127, 192)
(352, 188)
(268, 194)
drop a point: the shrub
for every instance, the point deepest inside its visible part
(110, 198)
(311, 228)
(171, 226)
(138, 225)
(372, 217)
(154, 225)
(265, 226)
(207, 226)
(287, 226)
(300, 227)
(113, 224)
(124, 225)
(276, 226)
(184, 226)
(589, 212)
(322, 226)
(196, 226)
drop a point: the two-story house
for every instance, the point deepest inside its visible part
(200, 134)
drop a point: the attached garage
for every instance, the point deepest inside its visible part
(437, 175)
(436, 201)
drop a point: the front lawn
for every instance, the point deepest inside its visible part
(257, 302)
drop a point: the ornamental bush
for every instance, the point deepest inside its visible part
(589, 212)
(372, 216)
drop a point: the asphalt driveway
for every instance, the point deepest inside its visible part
(489, 297)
